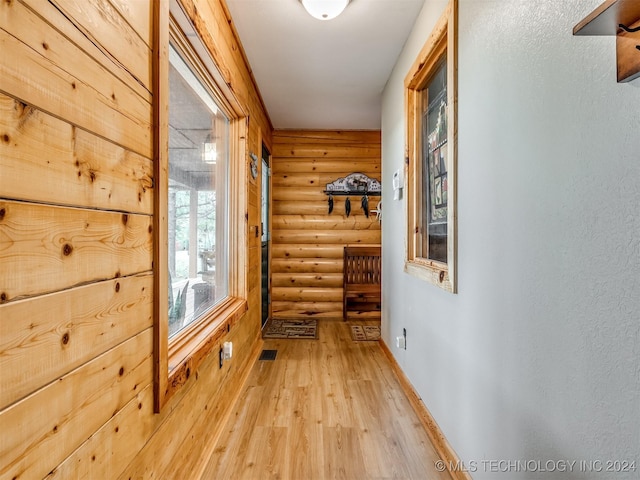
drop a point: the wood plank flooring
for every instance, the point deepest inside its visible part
(329, 408)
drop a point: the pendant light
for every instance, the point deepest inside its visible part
(325, 9)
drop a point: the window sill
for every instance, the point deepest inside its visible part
(191, 347)
(433, 272)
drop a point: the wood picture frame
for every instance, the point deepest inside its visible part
(431, 87)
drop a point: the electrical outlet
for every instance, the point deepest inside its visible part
(227, 348)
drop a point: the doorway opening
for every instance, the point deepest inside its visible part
(266, 234)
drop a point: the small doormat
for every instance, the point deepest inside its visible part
(364, 333)
(291, 329)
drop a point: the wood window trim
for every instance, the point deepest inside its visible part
(441, 42)
(195, 344)
(175, 361)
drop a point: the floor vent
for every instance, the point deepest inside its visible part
(268, 354)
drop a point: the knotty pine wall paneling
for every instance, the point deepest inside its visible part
(308, 242)
(77, 240)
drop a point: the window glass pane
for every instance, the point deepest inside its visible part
(198, 190)
(434, 166)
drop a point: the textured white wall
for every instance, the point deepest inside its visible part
(538, 356)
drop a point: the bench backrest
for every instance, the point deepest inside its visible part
(362, 266)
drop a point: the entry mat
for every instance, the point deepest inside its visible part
(363, 333)
(291, 329)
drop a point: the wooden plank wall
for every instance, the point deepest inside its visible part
(76, 243)
(308, 242)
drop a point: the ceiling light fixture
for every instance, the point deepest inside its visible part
(325, 9)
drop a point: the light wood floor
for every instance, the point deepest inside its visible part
(324, 409)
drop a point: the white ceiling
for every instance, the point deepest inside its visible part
(315, 74)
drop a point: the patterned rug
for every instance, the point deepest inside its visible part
(364, 333)
(291, 329)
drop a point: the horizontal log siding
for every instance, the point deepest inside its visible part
(77, 242)
(308, 242)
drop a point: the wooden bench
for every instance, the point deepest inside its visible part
(362, 282)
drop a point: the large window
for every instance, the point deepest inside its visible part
(200, 171)
(431, 97)
(198, 190)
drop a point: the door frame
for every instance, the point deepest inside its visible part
(264, 146)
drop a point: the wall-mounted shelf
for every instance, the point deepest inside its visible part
(352, 194)
(607, 20)
(354, 184)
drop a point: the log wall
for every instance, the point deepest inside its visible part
(307, 241)
(77, 241)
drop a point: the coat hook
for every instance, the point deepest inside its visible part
(629, 30)
(365, 205)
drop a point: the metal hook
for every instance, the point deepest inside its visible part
(629, 30)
